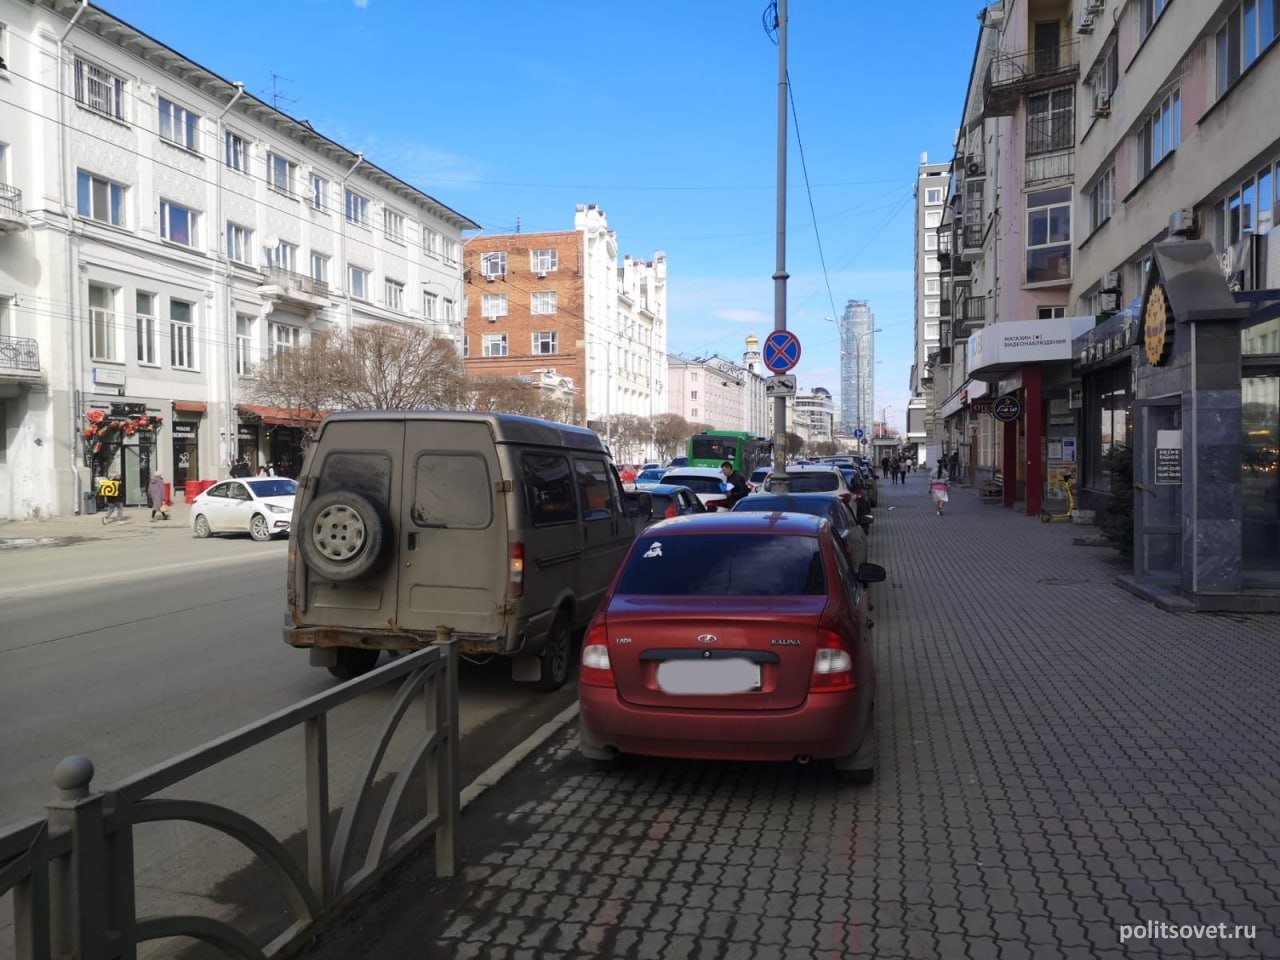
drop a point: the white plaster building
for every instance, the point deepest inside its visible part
(162, 232)
(709, 391)
(758, 415)
(813, 414)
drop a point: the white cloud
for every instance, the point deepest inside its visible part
(361, 4)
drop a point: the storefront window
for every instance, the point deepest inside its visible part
(1260, 476)
(1108, 420)
(1261, 339)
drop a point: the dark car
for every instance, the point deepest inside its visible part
(733, 636)
(815, 505)
(672, 500)
(679, 462)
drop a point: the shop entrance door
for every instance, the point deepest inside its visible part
(1158, 465)
(136, 472)
(1260, 476)
(186, 459)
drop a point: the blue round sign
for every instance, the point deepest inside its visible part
(858, 434)
(781, 351)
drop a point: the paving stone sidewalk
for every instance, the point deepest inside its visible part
(1058, 760)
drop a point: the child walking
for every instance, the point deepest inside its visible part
(938, 488)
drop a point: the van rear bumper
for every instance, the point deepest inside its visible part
(326, 637)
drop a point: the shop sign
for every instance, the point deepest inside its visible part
(248, 433)
(1168, 457)
(1007, 409)
(1107, 339)
(1155, 327)
(184, 430)
(122, 410)
(981, 405)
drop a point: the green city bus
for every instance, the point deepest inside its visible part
(745, 452)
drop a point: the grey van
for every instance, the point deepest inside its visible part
(506, 529)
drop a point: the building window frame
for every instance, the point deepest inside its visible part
(99, 89)
(355, 207)
(283, 337)
(932, 286)
(393, 294)
(1050, 312)
(543, 303)
(393, 225)
(493, 264)
(1150, 12)
(103, 323)
(544, 260)
(235, 151)
(1102, 198)
(178, 125)
(450, 315)
(494, 344)
(932, 308)
(1051, 121)
(358, 282)
(282, 173)
(145, 328)
(282, 256)
(246, 345)
(320, 267)
(319, 187)
(493, 305)
(182, 335)
(545, 343)
(430, 304)
(93, 193)
(185, 219)
(1045, 237)
(1161, 132)
(933, 195)
(239, 243)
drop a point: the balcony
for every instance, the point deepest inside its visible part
(944, 307)
(971, 240)
(11, 218)
(971, 316)
(20, 360)
(1012, 76)
(1047, 167)
(295, 288)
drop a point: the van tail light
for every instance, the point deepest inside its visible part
(596, 669)
(515, 588)
(846, 497)
(671, 511)
(833, 664)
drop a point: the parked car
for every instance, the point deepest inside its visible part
(706, 482)
(757, 477)
(854, 477)
(646, 479)
(670, 500)
(650, 466)
(828, 505)
(505, 529)
(815, 478)
(738, 636)
(678, 462)
(261, 507)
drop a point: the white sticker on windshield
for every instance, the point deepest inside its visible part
(654, 551)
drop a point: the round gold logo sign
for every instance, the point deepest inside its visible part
(1155, 327)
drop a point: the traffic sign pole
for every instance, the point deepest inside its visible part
(781, 482)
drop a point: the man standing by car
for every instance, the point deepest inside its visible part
(736, 484)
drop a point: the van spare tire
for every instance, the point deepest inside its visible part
(341, 535)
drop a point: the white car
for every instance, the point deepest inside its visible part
(814, 478)
(706, 482)
(259, 506)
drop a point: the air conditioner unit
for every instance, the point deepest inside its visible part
(1110, 281)
(1086, 23)
(490, 277)
(1182, 223)
(1096, 7)
(1108, 301)
(1102, 105)
(542, 274)
(973, 165)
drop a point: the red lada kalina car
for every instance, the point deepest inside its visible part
(734, 636)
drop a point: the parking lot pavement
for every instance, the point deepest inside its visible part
(1065, 771)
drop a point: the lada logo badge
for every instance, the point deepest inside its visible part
(707, 638)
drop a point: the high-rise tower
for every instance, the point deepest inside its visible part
(857, 360)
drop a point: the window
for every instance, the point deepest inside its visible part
(358, 282)
(727, 564)
(931, 308)
(594, 490)
(280, 173)
(357, 208)
(1102, 81)
(1050, 313)
(283, 256)
(178, 224)
(283, 337)
(693, 394)
(432, 242)
(244, 343)
(1249, 29)
(544, 261)
(931, 331)
(145, 309)
(495, 344)
(6, 316)
(1161, 133)
(451, 491)
(97, 198)
(1051, 121)
(237, 152)
(1049, 236)
(393, 294)
(933, 195)
(102, 323)
(466, 346)
(393, 225)
(493, 264)
(319, 193)
(178, 125)
(452, 252)
(542, 302)
(182, 335)
(930, 264)
(239, 243)
(548, 487)
(932, 286)
(430, 303)
(450, 311)
(545, 343)
(1150, 13)
(99, 89)
(932, 218)
(494, 305)
(319, 267)
(931, 241)
(1102, 199)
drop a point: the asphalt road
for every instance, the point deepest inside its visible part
(133, 651)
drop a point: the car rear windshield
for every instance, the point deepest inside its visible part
(767, 504)
(650, 476)
(278, 487)
(724, 565)
(759, 475)
(695, 483)
(814, 482)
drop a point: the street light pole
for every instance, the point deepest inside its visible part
(780, 481)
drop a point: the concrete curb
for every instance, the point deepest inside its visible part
(515, 755)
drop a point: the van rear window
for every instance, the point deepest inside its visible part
(451, 490)
(724, 564)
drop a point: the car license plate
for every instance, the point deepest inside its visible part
(708, 677)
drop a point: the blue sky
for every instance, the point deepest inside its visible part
(664, 115)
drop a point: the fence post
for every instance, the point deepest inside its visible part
(78, 902)
(447, 780)
(318, 831)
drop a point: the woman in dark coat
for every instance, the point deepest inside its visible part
(155, 496)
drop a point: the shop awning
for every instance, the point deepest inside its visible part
(1001, 348)
(280, 416)
(190, 406)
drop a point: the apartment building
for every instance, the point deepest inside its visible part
(932, 299)
(708, 390)
(560, 302)
(813, 415)
(161, 231)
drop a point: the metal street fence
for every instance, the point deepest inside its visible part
(71, 872)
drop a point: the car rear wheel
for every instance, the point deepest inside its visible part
(200, 526)
(341, 535)
(353, 662)
(556, 654)
(259, 528)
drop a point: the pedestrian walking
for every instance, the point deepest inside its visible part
(735, 485)
(113, 493)
(893, 470)
(156, 497)
(902, 472)
(939, 491)
(884, 468)
(954, 473)
(262, 470)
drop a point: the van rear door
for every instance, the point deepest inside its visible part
(454, 566)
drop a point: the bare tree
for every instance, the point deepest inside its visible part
(795, 443)
(504, 395)
(300, 380)
(630, 434)
(670, 433)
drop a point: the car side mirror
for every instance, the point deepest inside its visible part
(639, 506)
(871, 573)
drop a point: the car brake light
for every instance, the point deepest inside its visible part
(832, 666)
(516, 587)
(596, 670)
(844, 497)
(671, 511)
